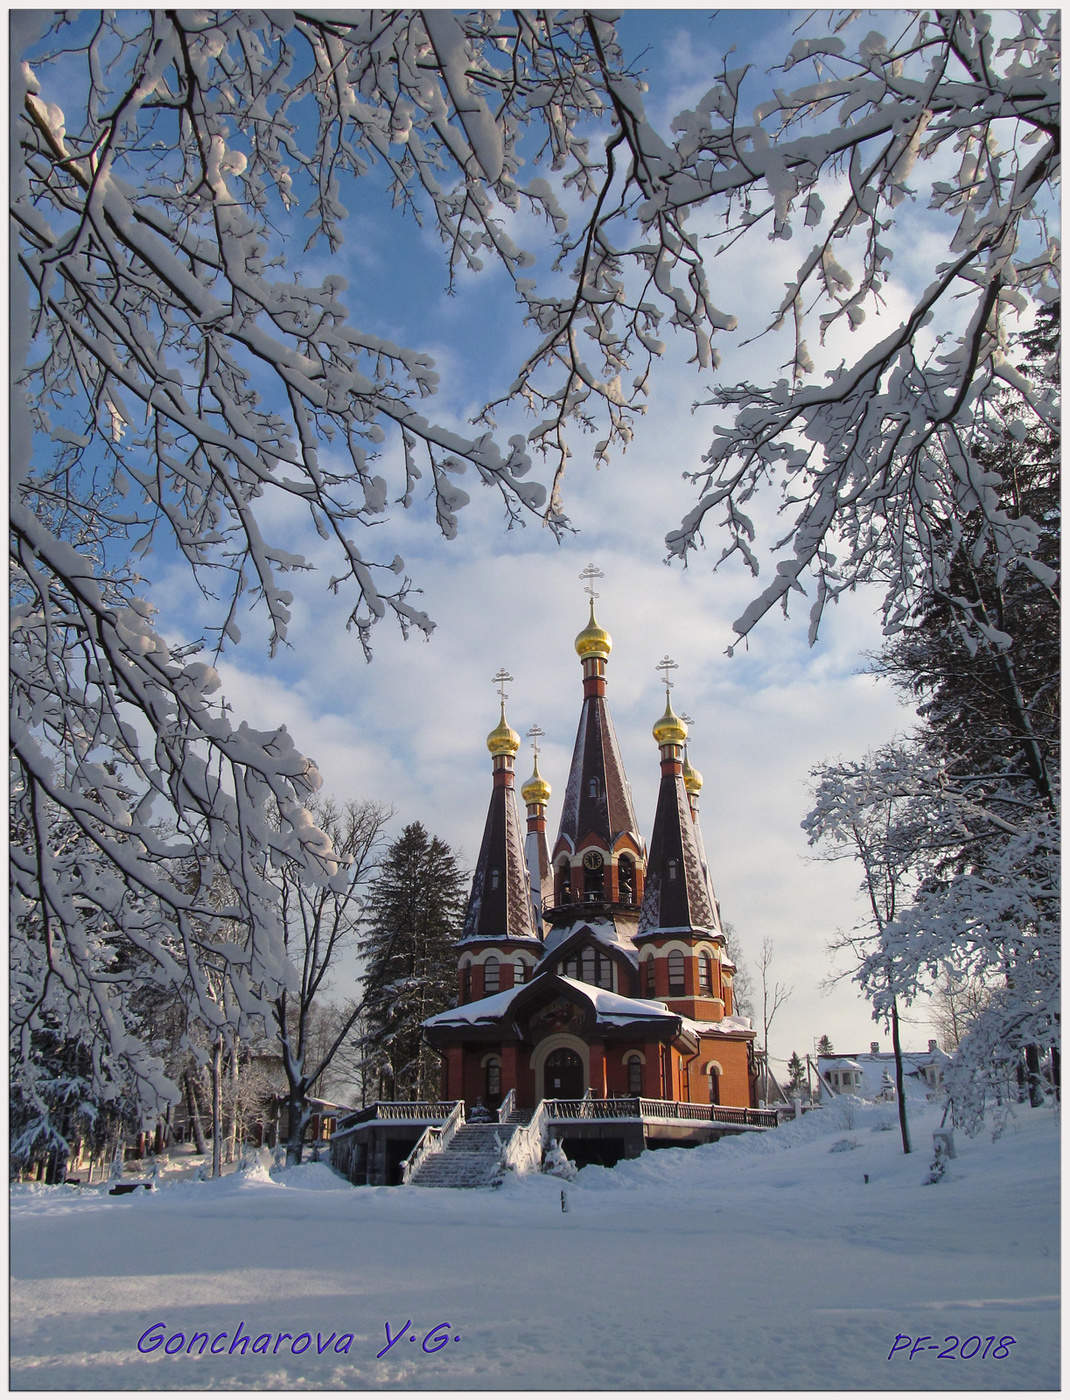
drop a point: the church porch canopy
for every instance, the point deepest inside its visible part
(535, 1008)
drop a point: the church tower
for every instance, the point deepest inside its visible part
(536, 795)
(598, 857)
(499, 944)
(679, 937)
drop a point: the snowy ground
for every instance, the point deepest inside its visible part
(763, 1262)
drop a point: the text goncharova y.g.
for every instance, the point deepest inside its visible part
(241, 1341)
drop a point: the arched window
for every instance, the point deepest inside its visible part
(520, 973)
(563, 889)
(626, 880)
(594, 878)
(705, 975)
(635, 1075)
(495, 879)
(676, 973)
(671, 868)
(466, 981)
(589, 962)
(649, 980)
(715, 1084)
(492, 973)
(592, 788)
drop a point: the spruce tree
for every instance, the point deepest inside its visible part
(796, 1072)
(413, 918)
(824, 1046)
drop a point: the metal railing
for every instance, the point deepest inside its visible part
(523, 1152)
(507, 1106)
(433, 1139)
(665, 1110)
(396, 1112)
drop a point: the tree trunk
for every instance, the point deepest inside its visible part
(1032, 1066)
(217, 1107)
(899, 1077)
(232, 1105)
(194, 1112)
(297, 1114)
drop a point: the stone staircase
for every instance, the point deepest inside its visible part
(472, 1157)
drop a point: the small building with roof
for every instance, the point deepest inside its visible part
(871, 1074)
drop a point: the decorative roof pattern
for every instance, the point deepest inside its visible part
(597, 799)
(500, 903)
(677, 894)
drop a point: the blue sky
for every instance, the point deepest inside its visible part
(409, 728)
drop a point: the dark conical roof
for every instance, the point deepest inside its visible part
(677, 897)
(499, 906)
(597, 799)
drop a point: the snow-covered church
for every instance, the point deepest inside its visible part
(598, 968)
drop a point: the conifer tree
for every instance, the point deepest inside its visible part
(796, 1073)
(824, 1046)
(413, 916)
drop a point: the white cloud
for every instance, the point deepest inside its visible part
(409, 729)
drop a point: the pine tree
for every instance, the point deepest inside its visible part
(413, 916)
(796, 1073)
(824, 1046)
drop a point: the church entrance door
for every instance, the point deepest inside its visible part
(564, 1075)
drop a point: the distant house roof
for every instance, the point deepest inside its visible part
(874, 1065)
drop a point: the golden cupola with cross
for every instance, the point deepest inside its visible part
(598, 856)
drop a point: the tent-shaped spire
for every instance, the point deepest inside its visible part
(678, 897)
(499, 907)
(598, 801)
(536, 794)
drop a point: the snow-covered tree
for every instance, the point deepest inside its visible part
(320, 921)
(858, 815)
(960, 881)
(957, 1003)
(961, 821)
(181, 390)
(414, 914)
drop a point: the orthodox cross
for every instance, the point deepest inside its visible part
(690, 724)
(535, 734)
(588, 576)
(665, 665)
(499, 680)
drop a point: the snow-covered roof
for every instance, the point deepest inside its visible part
(604, 931)
(609, 1007)
(485, 1009)
(873, 1066)
(727, 1025)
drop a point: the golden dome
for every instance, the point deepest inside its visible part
(692, 779)
(536, 789)
(670, 728)
(594, 640)
(503, 739)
